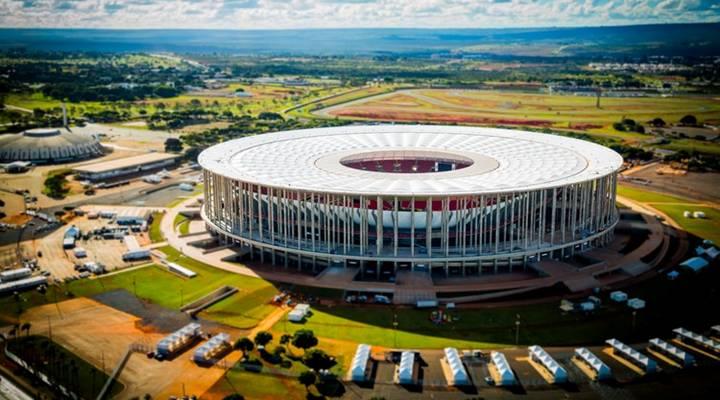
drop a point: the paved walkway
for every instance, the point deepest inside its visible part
(573, 277)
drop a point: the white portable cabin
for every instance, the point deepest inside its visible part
(298, 313)
(711, 253)
(426, 303)
(621, 349)
(698, 214)
(602, 371)
(358, 368)
(636, 303)
(506, 375)
(180, 270)
(178, 339)
(135, 252)
(457, 369)
(618, 296)
(217, 345)
(673, 352)
(15, 274)
(538, 354)
(699, 340)
(406, 370)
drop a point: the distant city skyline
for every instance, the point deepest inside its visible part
(316, 14)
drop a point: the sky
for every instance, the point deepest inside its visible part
(304, 14)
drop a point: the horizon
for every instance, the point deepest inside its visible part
(359, 28)
(347, 14)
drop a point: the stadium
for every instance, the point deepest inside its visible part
(445, 199)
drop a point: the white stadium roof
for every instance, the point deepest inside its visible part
(502, 160)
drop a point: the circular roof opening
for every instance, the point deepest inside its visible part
(406, 161)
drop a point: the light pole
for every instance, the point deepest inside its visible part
(634, 314)
(517, 329)
(395, 325)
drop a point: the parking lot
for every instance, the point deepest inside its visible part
(531, 377)
(108, 252)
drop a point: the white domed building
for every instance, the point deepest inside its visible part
(49, 146)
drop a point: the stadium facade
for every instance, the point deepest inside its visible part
(474, 200)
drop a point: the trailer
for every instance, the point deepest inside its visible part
(135, 252)
(22, 284)
(15, 274)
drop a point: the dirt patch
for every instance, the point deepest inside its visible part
(390, 115)
(153, 318)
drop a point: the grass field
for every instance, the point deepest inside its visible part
(263, 98)
(487, 107)
(154, 231)
(542, 324)
(674, 207)
(182, 224)
(157, 285)
(646, 196)
(339, 98)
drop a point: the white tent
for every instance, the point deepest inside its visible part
(637, 358)
(712, 253)
(506, 375)
(697, 339)
(636, 303)
(457, 369)
(618, 296)
(673, 352)
(538, 354)
(695, 263)
(358, 368)
(601, 369)
(406, 370)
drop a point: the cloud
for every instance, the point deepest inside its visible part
(278, 14)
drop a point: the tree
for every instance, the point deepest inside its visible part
(262, 338)
(688, 120)
(307, 378)
(245, 345)
(267, 115)
(234, 396)
(318, 360)
(285, 338)
(173, 145)
(304, 339)
(658, 122)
